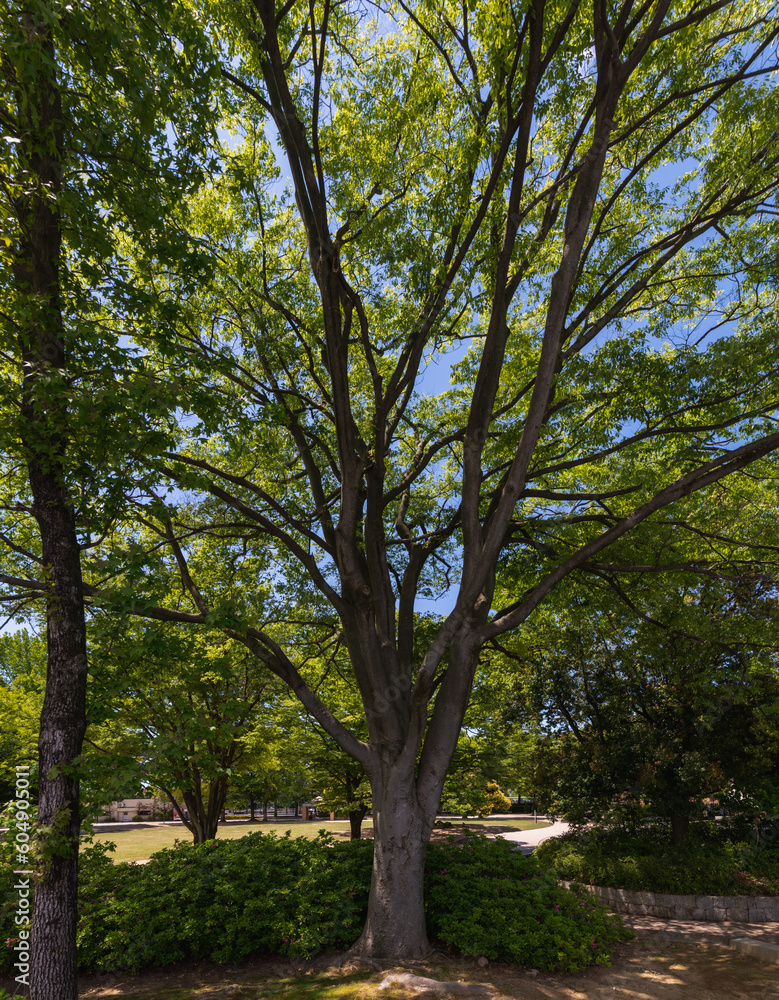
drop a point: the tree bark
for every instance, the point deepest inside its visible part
(203, 821)
(395, 926)
(45, 434)
(356, 816)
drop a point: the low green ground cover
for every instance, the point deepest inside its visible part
(227, 900)
(716, 860)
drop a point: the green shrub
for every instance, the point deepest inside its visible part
(712, 862)
(228, 899)
(485, 898)
(223, 900)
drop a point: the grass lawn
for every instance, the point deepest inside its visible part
(139, 844)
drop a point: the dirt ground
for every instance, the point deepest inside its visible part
(642, 970)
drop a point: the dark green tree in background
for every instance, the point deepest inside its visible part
(665, 709)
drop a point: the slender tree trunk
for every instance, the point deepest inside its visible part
(53, 954)
(44, 434)
(356, 816)
(265, 810)
(252, 806)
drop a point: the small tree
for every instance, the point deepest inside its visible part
(179, 705)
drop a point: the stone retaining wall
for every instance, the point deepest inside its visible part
(745, 909)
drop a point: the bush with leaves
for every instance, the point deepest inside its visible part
(716, 860)
(485, 898)
(223, 900)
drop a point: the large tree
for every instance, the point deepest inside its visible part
(570, 206)
(85, 160)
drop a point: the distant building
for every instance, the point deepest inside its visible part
(126, 810)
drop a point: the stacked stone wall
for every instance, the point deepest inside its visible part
(672, 906)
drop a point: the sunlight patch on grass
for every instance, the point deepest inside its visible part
(139, 845)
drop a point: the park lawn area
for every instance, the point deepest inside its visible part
(139, 844)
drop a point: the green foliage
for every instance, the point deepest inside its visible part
(22, 680)
(712, 861)
(486, 898)
(222, 900)
(228, 899)
(653, 712)
(180, 711)
(473, 795)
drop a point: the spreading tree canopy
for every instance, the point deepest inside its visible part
(492, 301)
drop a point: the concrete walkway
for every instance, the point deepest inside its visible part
(760, 941)
(702, 932)
(528, 840)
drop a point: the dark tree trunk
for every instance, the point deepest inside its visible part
(44, 434)
(53, 953)
(680, 826)
(252, 806)
(265, 810)
(395, 925)
(203, 821)
(356, 816)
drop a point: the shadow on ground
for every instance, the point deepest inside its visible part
(641, 970)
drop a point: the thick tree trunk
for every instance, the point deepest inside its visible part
(395, 925)
(252, 807)
(680, 825)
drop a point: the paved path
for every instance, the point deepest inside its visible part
(528, 840)
(760, 941)
(702, 932)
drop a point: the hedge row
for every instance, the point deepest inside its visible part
(228, 899)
